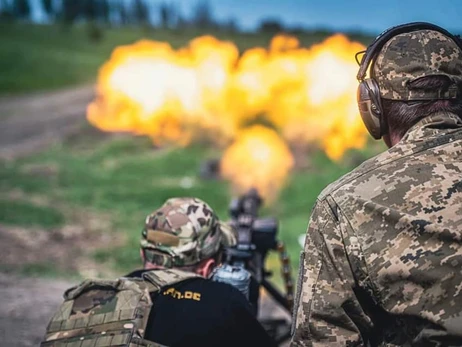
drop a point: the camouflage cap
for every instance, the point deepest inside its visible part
(407, 57)
(184, 231)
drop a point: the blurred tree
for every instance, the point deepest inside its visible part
(70, 11)
(104, 11)
(94, 13)
(170, 16)
(231, 25)
(297, 30)
(21, 9)
(6, 11)
(141, 13)
(89, 9)
(271, 26)
(203, 16)
(165, 15)
(181, 22)
(48, 7)
(121, 10)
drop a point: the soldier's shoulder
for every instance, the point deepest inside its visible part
(379, 163)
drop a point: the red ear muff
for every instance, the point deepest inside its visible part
(370, 107)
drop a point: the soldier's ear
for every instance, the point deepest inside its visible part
(206, 267)
(143, 259)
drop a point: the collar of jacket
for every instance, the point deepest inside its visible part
(431, 126)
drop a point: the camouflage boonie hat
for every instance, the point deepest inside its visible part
(407, 57)
(184, 231)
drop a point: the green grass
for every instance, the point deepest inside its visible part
(126, 178)
(42, 57)
(27, 214)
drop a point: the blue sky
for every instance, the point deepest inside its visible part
(369, 15)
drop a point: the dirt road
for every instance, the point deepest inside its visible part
(32, 122)
(25, 307)
(27, 124)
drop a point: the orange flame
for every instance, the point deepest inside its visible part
(207, 90)
(310, 94)
(259, 159)
(148, 88)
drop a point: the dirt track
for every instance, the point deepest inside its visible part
(30, 123)
(25, 307)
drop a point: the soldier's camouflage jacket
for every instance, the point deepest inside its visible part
(383, 255)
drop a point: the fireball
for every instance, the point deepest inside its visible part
(149, 89)
(258, 159)
(207, 91)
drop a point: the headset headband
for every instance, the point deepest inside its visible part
(386, 35)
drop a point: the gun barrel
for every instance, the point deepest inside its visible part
(256, 237)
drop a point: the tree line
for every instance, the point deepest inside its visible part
(126, 12)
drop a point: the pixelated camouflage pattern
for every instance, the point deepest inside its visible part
(382, 262)
(409, 56)
(101, 313)
(183, 232)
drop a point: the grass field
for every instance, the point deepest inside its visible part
(125, 178)
(41, 57)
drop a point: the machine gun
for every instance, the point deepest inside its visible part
(255, 238)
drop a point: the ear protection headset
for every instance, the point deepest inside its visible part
(368, 95)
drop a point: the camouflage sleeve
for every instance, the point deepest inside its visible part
(326, 306)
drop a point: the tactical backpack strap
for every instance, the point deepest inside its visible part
(159, 279)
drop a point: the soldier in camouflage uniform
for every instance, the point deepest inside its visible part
(382, 262)
(171, 302)
(185, 233)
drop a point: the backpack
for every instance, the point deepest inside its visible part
(99, 313)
